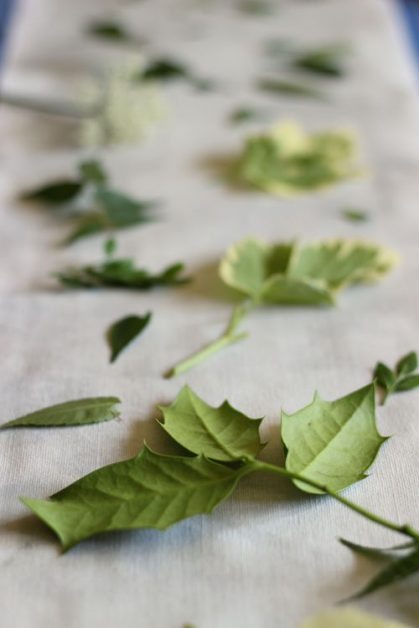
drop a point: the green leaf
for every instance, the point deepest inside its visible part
(124, 331)
(257, 7)
(376, 552)
(223, 433)
(120, 273)
(286, 161)
(246, 114)
(165, 69)
(308, 274)
(407, 383)
(355, 215)
(407, 364)
(109, 30)
(397, 570)
(92, 171)
(327, 60)
(332, 442)
(290, 88)
(148, 491)
(384, 376)
(56, 193)
(79, 412)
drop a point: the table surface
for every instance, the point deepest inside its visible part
(269, 556)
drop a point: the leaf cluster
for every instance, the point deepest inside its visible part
(286, 161)
(93, 205)
(403, 377)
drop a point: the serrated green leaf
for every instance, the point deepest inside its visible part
(407, 383)
(56, 193)
(120, 273)
(222, 434)
(332, 442)
(148, 491)
(397, 570)
(78, 412)
(287, 161)
(407, 364)
(290, 88)
(308, 274)
(124, 331)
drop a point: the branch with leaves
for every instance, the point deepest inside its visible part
(153, 490)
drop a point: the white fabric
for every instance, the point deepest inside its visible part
(269, 556)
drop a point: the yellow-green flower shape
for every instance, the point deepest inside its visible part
(303, 274)
(287, 161)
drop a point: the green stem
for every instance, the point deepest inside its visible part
(406, 530)
(228, 338)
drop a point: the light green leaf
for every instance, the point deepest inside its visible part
(287, 161)
(288, 273)
(79, 412)
(332, 442)
(281, 87)
(221, 433)
(407, 364)
(124, 331)
(148, 491)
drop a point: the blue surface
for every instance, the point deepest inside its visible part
(410, 9)
(5, 14)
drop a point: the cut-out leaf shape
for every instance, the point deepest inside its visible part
(395, 571)
(332, 442)
(286, 161)
(120, 273)
(402, 378)
(123, 332)
(302, 274)
(78, 412)
(148, 491)
(222, 433)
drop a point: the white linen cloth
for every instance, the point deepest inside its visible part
(269, 556)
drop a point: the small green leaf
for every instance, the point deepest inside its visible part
(257, 7)
(109, 30)
(120, 273)
(110, 247)
(92, 171)
(124, 331)
(332, 442)
(290, 88)
(79, 412)
(148, 491)
(397, 570)
(165, 69)
(376, 552)
(355, 215)
(407, 383)
(222, 434)
(56, 193)
(407, 364)
(384, 376)
(246, 114)
(327, 60)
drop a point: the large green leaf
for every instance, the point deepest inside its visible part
(332, 442)
(221, 433)
(302, 274)
(78, 412)
(148, 491)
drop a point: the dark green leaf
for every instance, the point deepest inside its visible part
(289, 88)
(109, 29)
(355, 215)
(246, 114)
(56, 193)
(397, 570)
(92, 171)
(148, 491)
(124, 331)
(120, 273)
(165, 69)
(79, 412)
(326, 60)
(407, 383)
(384, 376)
(222, 433)
(407, 364)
